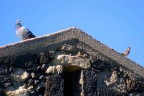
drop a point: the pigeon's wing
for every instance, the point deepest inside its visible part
(27, 33)
(127, 52)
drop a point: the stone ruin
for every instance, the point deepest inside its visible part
(67, 63)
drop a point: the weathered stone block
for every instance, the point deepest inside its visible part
(90, 83)
(54, 86)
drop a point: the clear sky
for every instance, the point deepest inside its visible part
(116, 23)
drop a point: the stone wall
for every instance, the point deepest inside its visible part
(68, 70)
(41, 43)
(67, 63)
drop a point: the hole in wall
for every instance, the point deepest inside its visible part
(72, 87)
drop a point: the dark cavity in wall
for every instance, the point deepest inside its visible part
(72, 87)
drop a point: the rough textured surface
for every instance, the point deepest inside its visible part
(19, 75)
(66, 60)
(11, 91)
(54, 86)
(83, 67)
(66, 35)
(90, 83)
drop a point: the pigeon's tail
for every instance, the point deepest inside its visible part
(30, 35)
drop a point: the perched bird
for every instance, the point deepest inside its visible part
(127, 51)
(22, 32)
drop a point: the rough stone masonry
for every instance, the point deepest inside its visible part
(67, 63)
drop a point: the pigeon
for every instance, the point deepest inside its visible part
(127, 51)
(22, 32)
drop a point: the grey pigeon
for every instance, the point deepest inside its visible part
(22, 32)
(127, 51)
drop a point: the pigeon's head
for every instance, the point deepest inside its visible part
(18, 22)
(129, 47)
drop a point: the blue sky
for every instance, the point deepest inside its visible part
(116, 23)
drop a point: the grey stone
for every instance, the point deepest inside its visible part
(36, 82)
(41, 77)
(30, 82)
(31, 89)
(68, 48)
(54, 86)
(19, 75)
(55, 69)
(68, 60)
(40, 87)
(32, 75)
(3, 69)
(11, 91)
(7, 84)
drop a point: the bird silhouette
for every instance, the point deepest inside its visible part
(127, 52)
(22, 32)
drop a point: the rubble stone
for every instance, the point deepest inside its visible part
(11, 91)
(80, 66)
(19, 75)
(54, 86)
